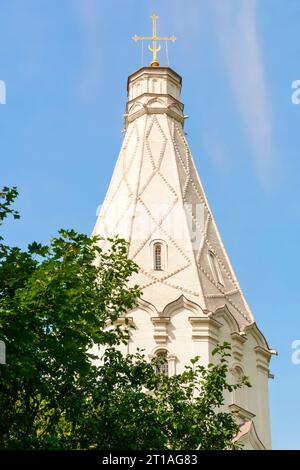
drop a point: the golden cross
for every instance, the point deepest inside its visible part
(154, 38)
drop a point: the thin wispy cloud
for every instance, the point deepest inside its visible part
(241, 51)
(233, 24)
(88, 13)
(215, 148)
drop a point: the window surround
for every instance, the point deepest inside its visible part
(162, 365)
(215, 268)
(171, 358)
(162, 266)
(238, 396)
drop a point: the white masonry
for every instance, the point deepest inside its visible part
(191, 297)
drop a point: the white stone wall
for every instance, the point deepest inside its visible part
(195, 300)
(188, 332)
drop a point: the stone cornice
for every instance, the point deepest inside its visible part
(205, 328)
(123, 321)
(241, 412)
(141, 112)
(151, 71)
(237, 344)
(257, 335)
(262, 359)
(157, 96)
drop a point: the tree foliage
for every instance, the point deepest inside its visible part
(57, 302)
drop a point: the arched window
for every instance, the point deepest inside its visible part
(215, 268)
(239, 395)
(162, 364)
(157, 256)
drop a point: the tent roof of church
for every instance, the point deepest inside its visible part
(156, 195)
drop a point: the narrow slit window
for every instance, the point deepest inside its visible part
(239, 396)
(157, 256)
(215, 268)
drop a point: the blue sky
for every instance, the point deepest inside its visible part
(65, 64)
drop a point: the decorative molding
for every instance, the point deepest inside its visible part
(146, 306)
(146, 110)
(163, 277)
(243, 414)
(225, 314)
(262, 359)
(124, 320)
(153, 72)
(160, 329)
(183, 302)
(172, 358)
(223, 292)
(237, 344)
(205, 329)
(257, 335)
(120, 321)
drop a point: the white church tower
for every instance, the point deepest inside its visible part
(191, 298)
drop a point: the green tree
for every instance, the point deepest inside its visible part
(57, 302)
(182, 412)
